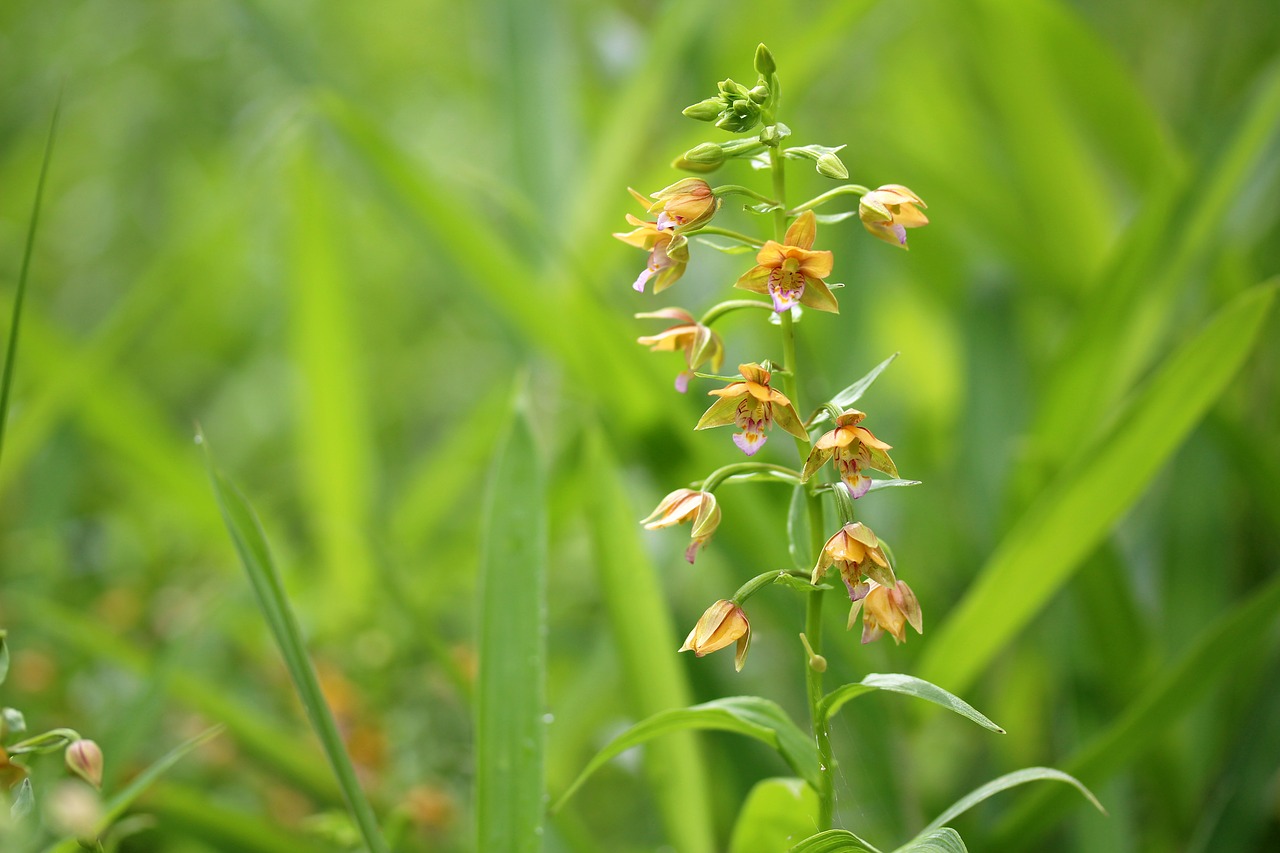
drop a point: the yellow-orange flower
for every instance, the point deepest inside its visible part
(888, 211)
(789, 272)
(687, 505)
(699, 342)
(854, 448)
(723, 623)
(753, 406)
(668, 253)
(886, 608)
(687, 204)
(856, 552)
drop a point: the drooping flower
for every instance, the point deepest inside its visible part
(753, 406)
(685, 205)
(84, 758)
(722, 623)
(699, 342)
(886, 608)
(789, 272)
(855, 448)
(687, 505)
(668, 253)
(888, 211)
(856, 552)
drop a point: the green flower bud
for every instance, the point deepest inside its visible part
(690, 166)
(759, 94)
(707, 152)
(708, 110)
(764, 61)
(774, 133)
(830, 166)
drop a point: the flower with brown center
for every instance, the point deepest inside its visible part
(789, 272)
(753, 406)
(856, 552)
(855, 448)
(888, 211)
(723, 623)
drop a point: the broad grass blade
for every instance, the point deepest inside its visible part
(510, 704)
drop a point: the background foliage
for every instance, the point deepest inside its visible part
(334, 235)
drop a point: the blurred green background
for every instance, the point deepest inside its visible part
(338, 236)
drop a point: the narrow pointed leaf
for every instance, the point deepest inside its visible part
(853, 393)
(1004, 783)
(510, 733)
(944, 840)
(908, 686)
(832, 841)
(745, 715)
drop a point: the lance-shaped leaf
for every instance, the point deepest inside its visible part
(1004, 783)
(944, 840)
(853, 393)
(833, 841)
(908, 686)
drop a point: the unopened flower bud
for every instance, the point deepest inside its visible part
(707, 152)
(84, 758)
(759, 94)
(708, 110)
(764, 61)
(723, 623)
(830, 166)
(889, 210)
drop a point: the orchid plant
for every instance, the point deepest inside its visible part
(791, 275)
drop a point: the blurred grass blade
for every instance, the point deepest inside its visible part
(1004, 783)
(776, 813)
(4, 655)
(510, 704)
(944, 840)
(1229, 644)
(189, 809)
(854, 392)
(745, 715)
(832, 841)
(15, 322)
(646, 641)
(251, 545)
(909, 686)
(1075, 512)
(120, 803)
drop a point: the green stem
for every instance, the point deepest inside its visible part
(813, 603)
(737, 469)
(847, 189)
(760, 581)
(732, 235)
(720, 309)
(736, 189)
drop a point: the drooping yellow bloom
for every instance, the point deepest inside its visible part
(789, 272)
(699, 342)
(753, 406)
(856, 552)
(886, 608)
(855, 448)
(723, 623)
(888, 211)
(685, 205)
(668, 253)
(687, 505)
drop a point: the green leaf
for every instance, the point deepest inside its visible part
(120, 803)
(876, 485)
(944, 840)
(510, 733)
(776, 813)
(734, 249)
(833, 841)
(909, 686)
(798, 529)
(4, 655)
(23, 801)
(851, 395)
(1004, 783)
(15, 322)
(251, 544)
(745, 715)
(800, 584)
(1077, 510)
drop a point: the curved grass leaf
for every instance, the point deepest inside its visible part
(833, 841)
(909, 686)
(1004, 783)
(745, 715)
(15, 322)
(776, 812)
(251, 544)
(510, 734)
(4, 655)
(944, 840)
(1040, 553)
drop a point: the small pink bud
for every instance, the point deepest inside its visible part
(84, 758)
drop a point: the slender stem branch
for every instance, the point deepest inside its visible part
(732, 235)
(720, 475)
(847, 189)
(736, 189)
(720, 309)
(759, 582)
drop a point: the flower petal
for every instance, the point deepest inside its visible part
(803, 231)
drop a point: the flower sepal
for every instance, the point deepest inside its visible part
(723, 623)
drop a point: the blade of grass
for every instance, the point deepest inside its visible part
(251, 545)
(510, 704)
(15, 323)
(1045, 547)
